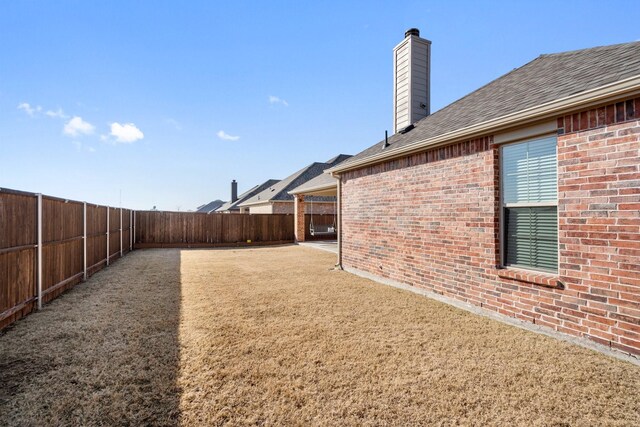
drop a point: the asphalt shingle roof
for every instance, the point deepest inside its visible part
(547, 78)
(210, 207)
(230, 206)
(279, 191)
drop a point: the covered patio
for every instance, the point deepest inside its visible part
(321, 225)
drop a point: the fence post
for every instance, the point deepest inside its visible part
(108, 227)
(339, 220)
(134, 228)
(84, 241)
(39, 271)
(120, 232)
(130, 230)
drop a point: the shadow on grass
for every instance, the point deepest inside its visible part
(105, 353)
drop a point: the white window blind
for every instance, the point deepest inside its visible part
(530, 172)
(529, 198)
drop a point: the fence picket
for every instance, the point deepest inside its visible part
(193, 229)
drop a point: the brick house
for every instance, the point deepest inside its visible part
(522, 198)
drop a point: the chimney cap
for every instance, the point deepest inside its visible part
(412, 32)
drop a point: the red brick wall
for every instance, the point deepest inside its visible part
(599, 232)
(283, 207)
(288, 208)
(606, 115)
(318, 207)
(431, 220)
(299, 226)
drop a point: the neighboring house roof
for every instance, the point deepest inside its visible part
(210, 207)
(279, 191)
(546, 79)
(233, 206)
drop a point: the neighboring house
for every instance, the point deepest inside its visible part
(276, 198)
(523, 197)
(232, 205)
(210, 207)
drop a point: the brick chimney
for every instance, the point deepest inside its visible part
(411, 80)
(234, 191)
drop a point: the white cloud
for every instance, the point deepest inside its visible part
(76, 127)
(276, 100)
(56, 114)
(27, 108)
(126, 133)
(223, 135)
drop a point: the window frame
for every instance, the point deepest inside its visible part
(503, 206)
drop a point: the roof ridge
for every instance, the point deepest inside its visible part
(590, 49)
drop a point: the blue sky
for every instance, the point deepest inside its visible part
(166, 102)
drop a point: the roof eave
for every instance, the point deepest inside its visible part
(626, 87)
(263, 202)
(322, 187)
(258, 202)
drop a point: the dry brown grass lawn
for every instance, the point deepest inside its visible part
(272, 336)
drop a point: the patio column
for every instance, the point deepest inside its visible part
(298, 212)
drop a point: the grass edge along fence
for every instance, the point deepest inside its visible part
(49, 244)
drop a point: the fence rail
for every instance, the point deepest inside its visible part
(154, 229)
(48, 244)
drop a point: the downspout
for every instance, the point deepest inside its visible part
(339, 213)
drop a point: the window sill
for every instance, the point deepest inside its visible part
(537, 278)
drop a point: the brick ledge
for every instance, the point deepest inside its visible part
(542, 279)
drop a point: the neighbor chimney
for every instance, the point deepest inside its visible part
(411, 77)
(234, 191)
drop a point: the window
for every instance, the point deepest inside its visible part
(530, 204)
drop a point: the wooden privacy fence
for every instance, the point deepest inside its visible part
(155, 229)
(48, 245)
